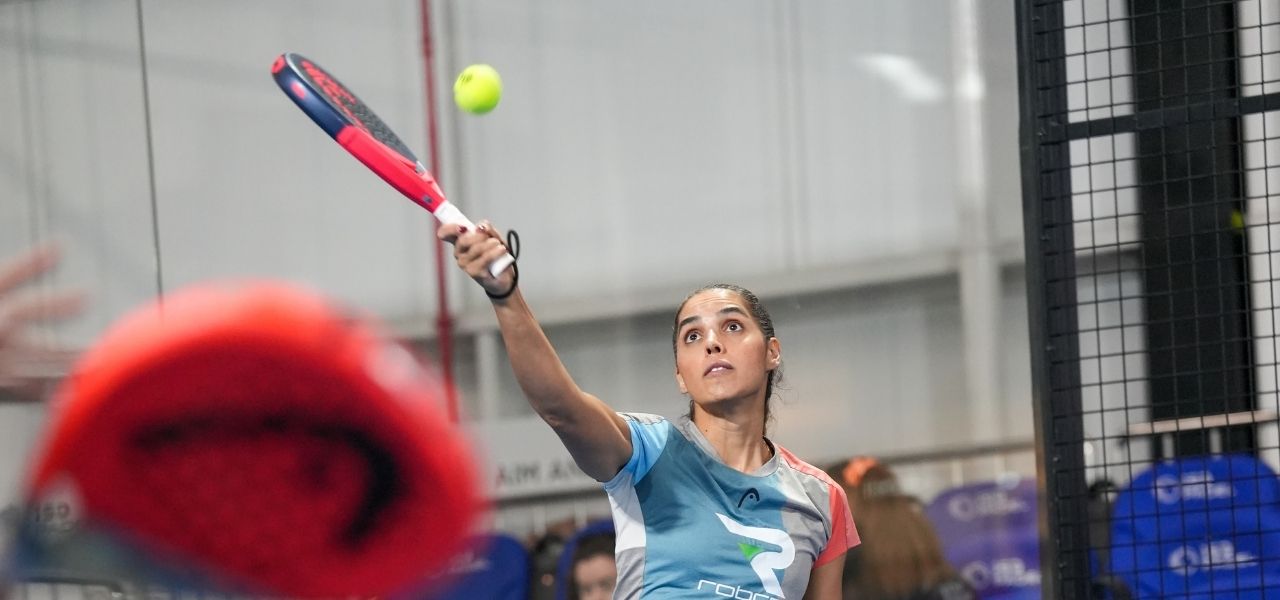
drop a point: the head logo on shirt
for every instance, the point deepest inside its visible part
(764, 562)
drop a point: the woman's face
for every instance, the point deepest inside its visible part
(595, 577)
(721, 353)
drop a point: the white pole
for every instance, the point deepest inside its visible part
(980, 288)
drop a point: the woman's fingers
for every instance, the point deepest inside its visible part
(491, 254)
(475, 249)
(23, 361)
(449, 232)
(32, 307)
(471, 248)
(27, 266)
(20, 311)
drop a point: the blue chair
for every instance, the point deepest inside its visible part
(989, 533)
(497, 567)
(1201, 528)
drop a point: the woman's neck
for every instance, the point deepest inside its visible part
(737, 437)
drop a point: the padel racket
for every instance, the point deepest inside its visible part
(259, 437)
(355, 127)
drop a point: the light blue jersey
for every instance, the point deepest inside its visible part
(689, 526)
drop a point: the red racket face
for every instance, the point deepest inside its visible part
(356, 128)
(355, 111)
(274, 443)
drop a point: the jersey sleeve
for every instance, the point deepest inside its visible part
(649, 434)
(844, 535)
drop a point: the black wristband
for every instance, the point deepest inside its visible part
(513, 248)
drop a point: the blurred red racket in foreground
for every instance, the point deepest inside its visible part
(250, 436)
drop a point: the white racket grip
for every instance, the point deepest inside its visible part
(448, 214)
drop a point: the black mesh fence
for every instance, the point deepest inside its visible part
(1151, 179)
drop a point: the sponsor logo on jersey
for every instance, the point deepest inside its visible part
(764, 561)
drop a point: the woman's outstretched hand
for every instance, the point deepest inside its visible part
(25, 362)
(475, 250)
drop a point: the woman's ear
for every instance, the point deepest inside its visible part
(680, 382)
(774, 353)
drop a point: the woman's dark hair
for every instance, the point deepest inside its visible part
(593, 545)
(589, 546)
(758, 313)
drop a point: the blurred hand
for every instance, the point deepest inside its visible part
(25, 363)
(474, 250)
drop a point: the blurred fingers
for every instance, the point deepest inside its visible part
(28, 266)
(29, 308)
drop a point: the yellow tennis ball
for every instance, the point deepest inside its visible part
(478, 89)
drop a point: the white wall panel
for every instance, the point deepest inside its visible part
(877, 162)
(1104, 195)
(248, 186)
(73, 161)
(636, 143)
(1000, 99)
(626, 133)
(1259, 40)
(883, 372)
(1098, 59)
(1113, 371)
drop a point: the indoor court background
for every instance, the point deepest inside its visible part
(865, 154)
(622, 129)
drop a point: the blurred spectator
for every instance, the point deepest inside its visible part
(25, 362)
(900, 557)
(545, 551)
(594, 571)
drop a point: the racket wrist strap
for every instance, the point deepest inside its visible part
(513, 247)
(515, 281)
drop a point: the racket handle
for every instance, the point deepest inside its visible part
(501, 264)
(447, 213)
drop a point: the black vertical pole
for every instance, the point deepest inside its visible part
(1052, 301)
(1189, 184)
